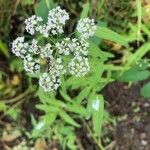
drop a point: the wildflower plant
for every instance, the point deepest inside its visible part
(64, 63)
(54, 52)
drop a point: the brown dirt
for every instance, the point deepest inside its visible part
(132, 132)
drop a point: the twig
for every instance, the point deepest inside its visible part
(111, 145)
(17, 98)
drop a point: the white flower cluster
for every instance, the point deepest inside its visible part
(49, 82)
(80, 46)
(47, 51)
(79, 66)
(32, 24)
(48, 61)
(64, 47)
(31, 65)
(19, 47)
(56, 19)
(86, 27)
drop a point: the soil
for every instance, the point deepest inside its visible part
(132, 132)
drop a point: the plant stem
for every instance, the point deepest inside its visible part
(139, 15)
(93, 136)
(17, 98)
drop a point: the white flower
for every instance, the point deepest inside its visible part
(49, 82)
(52, 57)
(34, 48)
(43, 29)
(64, 46)
(32, 23)
(56, 20)
(79, 66)
(47, 51)
(19, 48)
(56, 67)
(86, 27)
(31, 65)
(79, 47)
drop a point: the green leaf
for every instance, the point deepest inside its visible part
(107, 34)
(75, 82)
(82, 95)
(49, 98)
(95, 52)
(133, 75)
(65, 96)
(4, 49)
(17, 65)
(47, 108)
(138, 54)
(50, 118)
(98, 113)
(76, 109)
(43, 7)
(68, 119)
(85, 10)
(145, 90)
(2, 106)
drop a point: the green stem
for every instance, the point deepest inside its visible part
(93, 136)
(72, 34)
(139, 15)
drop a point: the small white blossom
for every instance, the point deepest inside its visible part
(86, 27)
(19, 48)
(31, 65)
(34, 48)
(43, 29)
(56, 67)
(56, 20)
(49, 82)
(64, 46)
(79, 47)
(32, 23)
(47, 51)
(79, 66)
